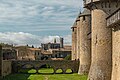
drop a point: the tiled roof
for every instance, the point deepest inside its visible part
(34, 49)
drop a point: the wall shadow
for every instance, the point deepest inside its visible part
(16, 77)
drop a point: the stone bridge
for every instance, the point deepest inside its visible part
(55, 64)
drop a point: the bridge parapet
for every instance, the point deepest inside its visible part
(55, 64)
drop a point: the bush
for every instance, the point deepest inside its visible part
(68, 57)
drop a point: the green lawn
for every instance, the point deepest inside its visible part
(45, 76)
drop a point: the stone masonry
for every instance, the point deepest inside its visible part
(55, 64)
(113, 21)
(74, 42)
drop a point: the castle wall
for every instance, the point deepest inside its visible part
(116, 55)
(101, 66)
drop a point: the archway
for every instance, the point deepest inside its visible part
(59, 71)
(46, 69)
(27, 68)
(69, 71)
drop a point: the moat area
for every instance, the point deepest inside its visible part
(45, 74)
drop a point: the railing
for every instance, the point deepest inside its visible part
(113, 18)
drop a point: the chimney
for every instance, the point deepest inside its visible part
(55, 40)
(61, 43)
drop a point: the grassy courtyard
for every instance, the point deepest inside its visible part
(45, 74)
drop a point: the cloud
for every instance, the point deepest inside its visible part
(34, 21)
(21, 38)
(38, 12)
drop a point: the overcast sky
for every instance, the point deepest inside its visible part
(35, 21)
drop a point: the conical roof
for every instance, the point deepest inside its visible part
(74, 25)
(85, 12)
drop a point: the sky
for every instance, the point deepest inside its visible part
(37, 21)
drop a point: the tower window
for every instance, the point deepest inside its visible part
(73, 29)
(83, 18)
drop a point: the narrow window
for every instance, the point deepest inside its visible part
(83, 18)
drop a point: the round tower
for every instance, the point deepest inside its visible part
(101, 65)
(74, 41)
(85, 41)
(78, 36)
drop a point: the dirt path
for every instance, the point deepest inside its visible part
(46, 77)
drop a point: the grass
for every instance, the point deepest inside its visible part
(43, 70)
(26, 76)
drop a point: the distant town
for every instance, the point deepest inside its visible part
(47, 51)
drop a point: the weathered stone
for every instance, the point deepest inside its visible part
(74, 42)
(116, 54)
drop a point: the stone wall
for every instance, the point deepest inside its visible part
(6, 67)
(55, 64)
(116, 54)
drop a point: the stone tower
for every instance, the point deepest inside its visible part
(101, 65)
(84, 41)
(78, 36)
(74, 41)
(1, 58)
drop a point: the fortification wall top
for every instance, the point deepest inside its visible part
(91, 1)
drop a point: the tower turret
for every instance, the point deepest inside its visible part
(84, 41)
(74, 41)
